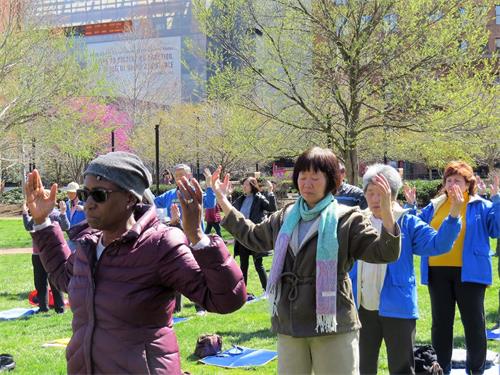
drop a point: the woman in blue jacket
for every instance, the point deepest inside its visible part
(386, 294)
(460, 277)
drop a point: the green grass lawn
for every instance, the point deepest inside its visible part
(13, 234)
(248, 327)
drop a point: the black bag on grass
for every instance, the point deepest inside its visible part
(208, 345)
(426, 360)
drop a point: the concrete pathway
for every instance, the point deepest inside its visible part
(25, 250)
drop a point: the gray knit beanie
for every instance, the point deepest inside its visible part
(123, 169)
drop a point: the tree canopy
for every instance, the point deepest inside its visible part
(345, 70)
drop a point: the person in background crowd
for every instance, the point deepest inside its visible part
(253, 206)
(170, 203)
(386, 294)
(74, 210)
(167, 177)
(123, 276)
(212, 209)
(40, 276)
(460, 277)
(315, 242)
(349, 195)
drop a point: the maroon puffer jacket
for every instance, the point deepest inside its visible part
(122, 307)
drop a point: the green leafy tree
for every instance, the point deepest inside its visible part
(214, 133)
(340, 70)
(40, 70)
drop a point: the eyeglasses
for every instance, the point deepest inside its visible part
(99, 195)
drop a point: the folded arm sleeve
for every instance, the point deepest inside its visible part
(209, 277)
(55, 255)
(366, 244)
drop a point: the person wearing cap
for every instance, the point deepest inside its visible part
(74, 209)
(127, 267)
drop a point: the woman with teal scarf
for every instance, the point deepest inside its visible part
(316, 242)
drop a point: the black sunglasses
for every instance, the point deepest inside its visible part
(99, 195)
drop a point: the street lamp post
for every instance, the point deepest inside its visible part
(198, 148)
(112, 140)
(157, 156)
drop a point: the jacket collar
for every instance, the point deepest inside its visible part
(342, 210)
(438, 201)
(397, 211)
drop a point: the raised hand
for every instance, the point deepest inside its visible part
(494, 186)
(62, 207)
(208, 177)
(191, 197)
(39, 202)
(457, 200)
(382, 185)
(410, 194)
(481, 186)
(221, 188)
(175, 213)
(270, 186)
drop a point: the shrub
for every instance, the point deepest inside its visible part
(426, 190)
(14, 196)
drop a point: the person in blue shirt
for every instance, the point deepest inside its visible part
(170, 203)
(173, 213)
(386, 294)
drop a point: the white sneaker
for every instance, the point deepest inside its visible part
(201, 312)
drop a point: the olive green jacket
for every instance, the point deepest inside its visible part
(358, 239)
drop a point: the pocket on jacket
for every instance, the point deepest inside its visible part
(482, 251)
(403, 280)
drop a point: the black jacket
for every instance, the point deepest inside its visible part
(260, 206)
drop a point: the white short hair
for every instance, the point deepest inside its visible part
(390, 173)
(183, 166)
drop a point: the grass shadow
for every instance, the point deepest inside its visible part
(242, 337)
(492, 318)
(15, 296)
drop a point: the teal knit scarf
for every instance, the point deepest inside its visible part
(326, 259)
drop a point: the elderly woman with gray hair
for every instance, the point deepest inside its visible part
(127, 267)
(386, 294)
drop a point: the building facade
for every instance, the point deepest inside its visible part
(145, 47)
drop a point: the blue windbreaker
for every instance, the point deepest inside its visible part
(482, 220)
(398, 298)
(169, 197)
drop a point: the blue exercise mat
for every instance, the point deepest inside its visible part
(239, 356)
(17, 313)
(179, 320)
(493, 334)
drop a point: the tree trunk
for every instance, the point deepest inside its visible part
(351, 164)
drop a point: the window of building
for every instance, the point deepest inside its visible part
(497, 14)
(497, 44)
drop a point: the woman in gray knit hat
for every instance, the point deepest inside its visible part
(123, 276)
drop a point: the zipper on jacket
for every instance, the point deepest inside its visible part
(92, 279)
